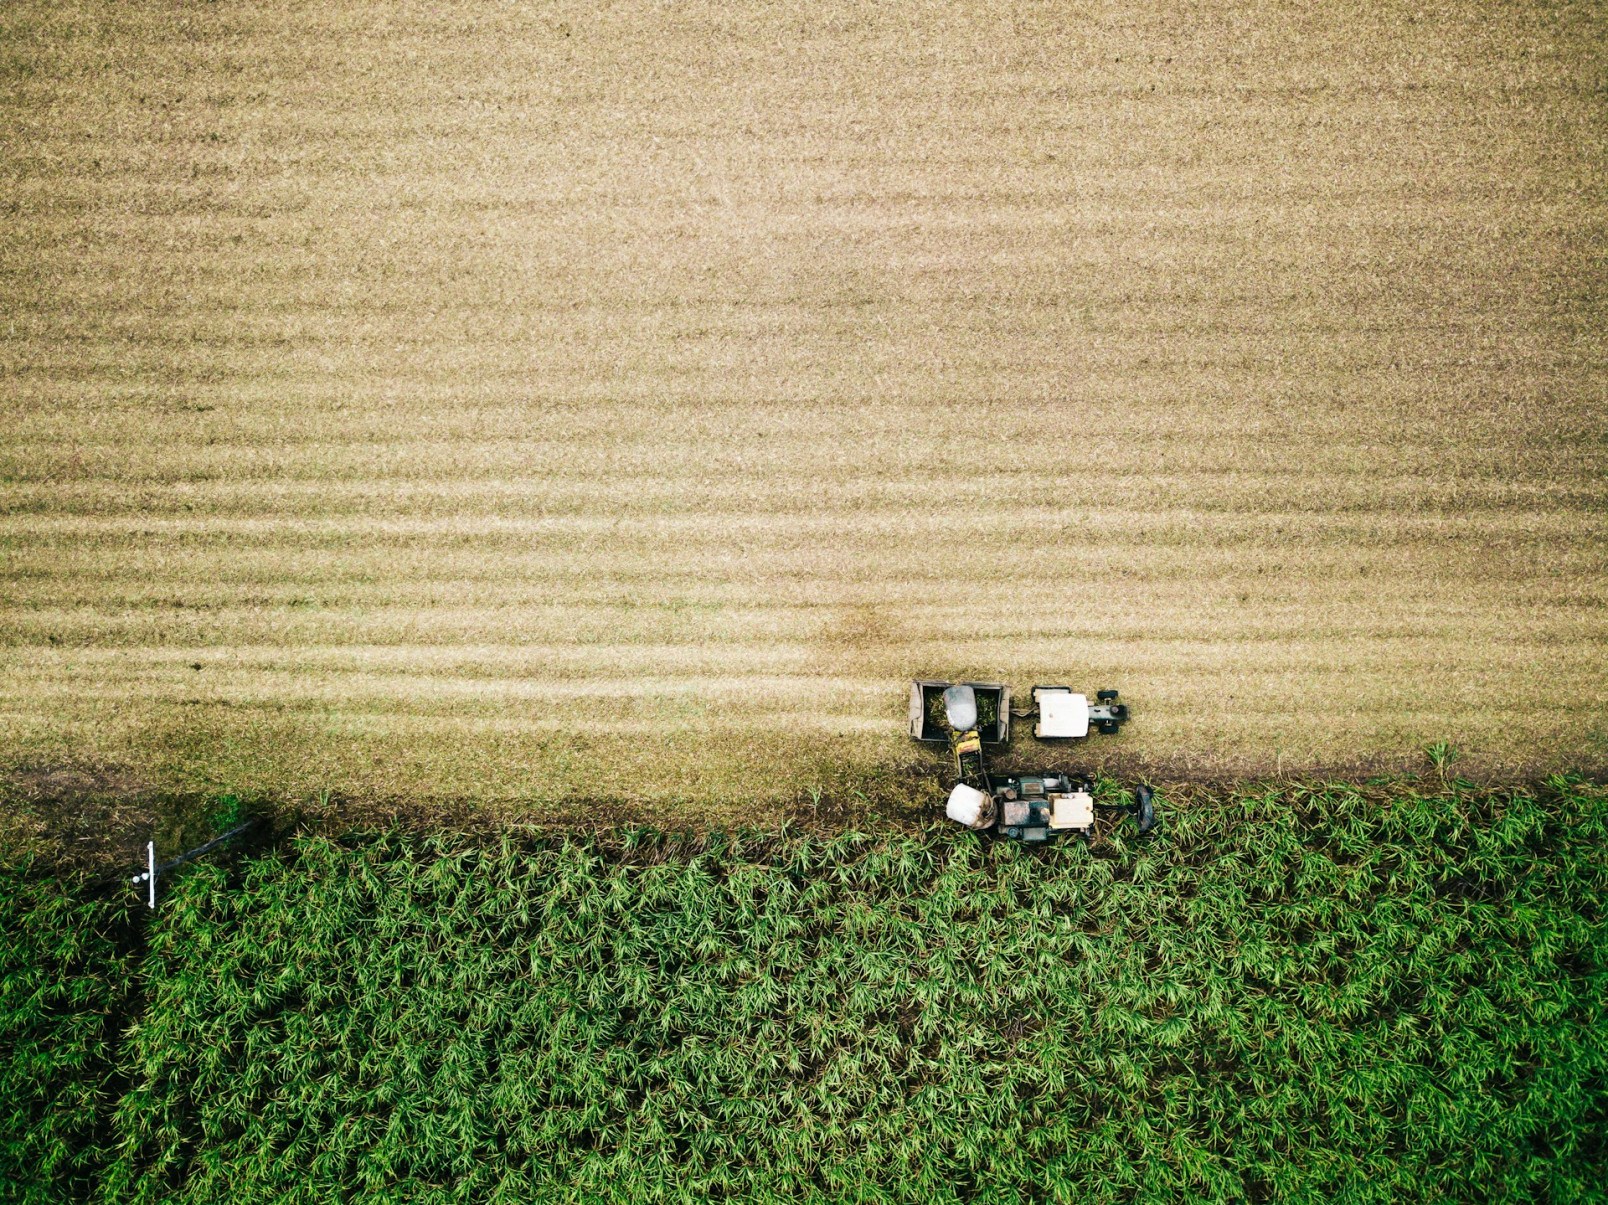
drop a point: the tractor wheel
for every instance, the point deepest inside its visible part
(1144, 812)
(1105, 696)
(1108, 727)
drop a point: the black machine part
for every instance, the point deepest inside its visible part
(1036, 808)
(1142, 809)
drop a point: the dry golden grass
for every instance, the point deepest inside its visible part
(533, 403)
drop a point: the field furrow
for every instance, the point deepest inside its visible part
(626, 402)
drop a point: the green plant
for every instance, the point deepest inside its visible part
(1306, 992)
(66, 988)
(1441, 755)
(229, 813)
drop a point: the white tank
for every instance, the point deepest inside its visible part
(969, 806)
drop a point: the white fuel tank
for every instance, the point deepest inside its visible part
(969, 806)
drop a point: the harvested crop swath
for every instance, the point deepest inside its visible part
(529, 407)
(1304, 994)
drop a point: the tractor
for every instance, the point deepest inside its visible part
(1032, 808)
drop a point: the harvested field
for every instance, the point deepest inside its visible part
(533, 404)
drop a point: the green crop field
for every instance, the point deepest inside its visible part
(533, 404)
(1322, 995)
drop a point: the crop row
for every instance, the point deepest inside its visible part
(1313, 994)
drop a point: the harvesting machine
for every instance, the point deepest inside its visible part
(1023, 807)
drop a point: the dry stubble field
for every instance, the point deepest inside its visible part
(529, 403)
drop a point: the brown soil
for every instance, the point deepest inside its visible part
(460, 403)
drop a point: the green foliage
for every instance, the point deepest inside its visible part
(1441, 755)
(229, 812)
(66, 980)
(1308, 994)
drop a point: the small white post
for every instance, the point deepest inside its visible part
(150, 854)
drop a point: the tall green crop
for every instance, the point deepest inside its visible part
(66, 984)
(1310, 994)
